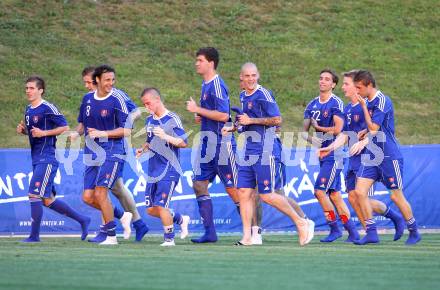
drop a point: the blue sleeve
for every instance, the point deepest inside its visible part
(345, 127)
(308, 112)
(80, 114)
(121, 114)
(221, 100)
(378, 115)
(337, 110)
(55, 117)
(270, 108)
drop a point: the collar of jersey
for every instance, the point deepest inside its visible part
(375, 95)
(101, 99)
(42, 101)
(319, 99)
(166, 113)
(211, 79)
(256, 89)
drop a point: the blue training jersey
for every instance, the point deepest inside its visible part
(382, 113)
(354, 122)
(323, 113)
(260, 104)
(104, 114)
(164, 157)
(131, 106)
(215, 96)
(45, 116)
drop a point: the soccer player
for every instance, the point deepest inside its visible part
(216, 155)
(165, 136)
(103, 114)
(43, 122)
(386, 161)
(325, 114)
(354, 124)
(119, 191)
(262, 160)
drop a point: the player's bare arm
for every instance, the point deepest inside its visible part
(315, 141)
(21, 128)
(144, 148)
(192, 107)
(334, 130)
(115, 133)
(372, 127)
(270, 121)
(175, 141)
(38, 133)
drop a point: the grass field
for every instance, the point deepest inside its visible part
(67, 263)
(154, 42)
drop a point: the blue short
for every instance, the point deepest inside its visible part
(42, 179)
(104, 175)
(389, 172)
(268, 177)
(329, 177)
(159, 194)
(223, 164)
(350, 182)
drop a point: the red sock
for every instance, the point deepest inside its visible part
(330, 215)
(344, 218)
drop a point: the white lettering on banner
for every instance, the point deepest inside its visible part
(140, 186)
(6, 187)
(19, 177)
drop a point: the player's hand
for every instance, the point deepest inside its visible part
(244, 119)
(139, 152)
(323, 152)
(191, 105)
(358, 147)
(73, 136)
(197, 119)
(317, 142)
(362, 134)
(37, 132)
(94, 134)
(159, 132)
(226, 130)
(21, 128)
(361, 101)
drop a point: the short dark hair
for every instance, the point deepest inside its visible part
(104, 68)
(335, 77)
(211, 54)
(351, 74)
(39, 82)
(151, 89)
(88, 70)
(365, 77)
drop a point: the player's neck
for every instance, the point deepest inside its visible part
(209, 76)
(35, 103)
(101, 93)
(325, 96)
(161, 111)
(251, 91)
(372, 94)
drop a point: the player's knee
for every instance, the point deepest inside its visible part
(48, 201)
(151, 211)
(88, 197)
(34, 197)
(267, 198)
(352, 197)
(200, 188)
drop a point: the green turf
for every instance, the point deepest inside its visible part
(154, 42)
(67, 263)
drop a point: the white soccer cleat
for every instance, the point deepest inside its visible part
(303, 232)
(184, 227)
(168, 243)
(110, 241)
(256, 237)
(311, 231)
(126, 224)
